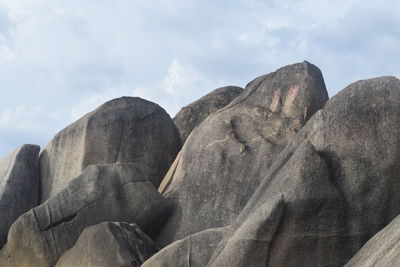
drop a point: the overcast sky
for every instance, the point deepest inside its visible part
(59, 59)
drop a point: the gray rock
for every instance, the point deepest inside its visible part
(328, 192)
(19, 186)
(294, 219)
(381, 250)
(194, 250)
(225, 157)
(109, 244)
(341, 171)
(110, 192)
(293, 207)
(127, 129)
(190, 116)
(248, 242)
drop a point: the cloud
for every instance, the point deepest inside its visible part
(68, 56)
(25, 117)
(96, 100)
(28, 124)
(180, 79)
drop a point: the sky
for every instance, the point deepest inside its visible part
(60, 59)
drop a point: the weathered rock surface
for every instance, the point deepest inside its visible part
(109, 244)
(110, 192)
(19, 186)
(381, 250)
(247, 246)
(224, 159)
(190, 116)
(294, 219)
(194, 250)
(348, 197)
(278, 177)
(127, 129)
(329, 191)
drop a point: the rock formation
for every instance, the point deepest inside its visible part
(194, 250)
(127, 129)
(111, 192)
(280, 176)
(190, 116)
(328, 191)
(381, 250)
(19, 186)
(224, 159)
(109, 244)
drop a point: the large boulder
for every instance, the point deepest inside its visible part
(246, 246)
(109, 192)
(343, 192)
(294, 219)
(294, 208)
(127, 129)
(109, 244)
(19, 186)
(381, 250)
(328, 192)
(225, 157)
(190, 116)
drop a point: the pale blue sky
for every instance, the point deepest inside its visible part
(62, 58)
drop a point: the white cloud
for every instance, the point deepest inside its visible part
(96, 100)
(180, 79)
(66, 55)
(33, 124)
(34, 119)
(22, 117)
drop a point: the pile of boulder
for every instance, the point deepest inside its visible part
(276, 174)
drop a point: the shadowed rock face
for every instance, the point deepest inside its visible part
(19, 186)
(192, 115)
(109, 244)
(127, 129)
(225, 157)
(110, 192)
(327, 193)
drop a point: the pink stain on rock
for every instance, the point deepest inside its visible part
(293, 90)
(277, 93)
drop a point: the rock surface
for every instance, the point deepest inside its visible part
(19, 186)
(190, 116)
(109, 244)
(127, 129)
(381, 250)
(110, 192)
(333, 207)
(329, 191)
(278, 177)
(224, 159)
(294, 219)
(194, 250)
